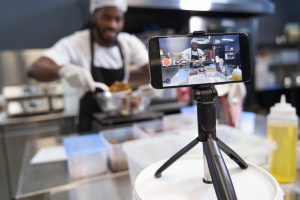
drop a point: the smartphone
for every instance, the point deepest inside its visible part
(191, 60)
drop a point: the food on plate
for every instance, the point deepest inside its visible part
(201, 70)
(119, 86)
(192, 73)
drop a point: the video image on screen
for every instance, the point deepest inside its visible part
(200, 60)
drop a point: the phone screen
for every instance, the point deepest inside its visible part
(194, 60)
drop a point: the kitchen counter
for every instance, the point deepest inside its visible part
(42, 181)
(51, 181)
(16, 132)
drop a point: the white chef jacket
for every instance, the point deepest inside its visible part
(75, 49)
(187, 53)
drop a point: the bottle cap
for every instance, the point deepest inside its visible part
(283, 109)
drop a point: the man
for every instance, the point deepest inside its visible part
(101, 54)
(195, 55)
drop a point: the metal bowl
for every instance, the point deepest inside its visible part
(123, 103)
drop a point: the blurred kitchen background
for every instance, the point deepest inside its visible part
(30, 26)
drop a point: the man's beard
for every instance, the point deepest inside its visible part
(100, 34)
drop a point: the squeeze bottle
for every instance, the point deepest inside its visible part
(237, 74)
(282, 127)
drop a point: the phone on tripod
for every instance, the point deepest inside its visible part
(190, 60)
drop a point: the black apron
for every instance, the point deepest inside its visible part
(88, 105)
(194, 57)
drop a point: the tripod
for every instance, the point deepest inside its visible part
(217, 174)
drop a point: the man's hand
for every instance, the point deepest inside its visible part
(77, 76)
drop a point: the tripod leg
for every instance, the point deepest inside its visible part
(207, 177)
(232, 154)
(176, 156)
(219, 173)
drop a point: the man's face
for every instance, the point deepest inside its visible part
(109, 22)
(194, 46)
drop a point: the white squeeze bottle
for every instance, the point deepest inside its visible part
(282, 127)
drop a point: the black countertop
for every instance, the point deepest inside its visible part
(36, 118)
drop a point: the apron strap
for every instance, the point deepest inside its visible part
(192, 56)
(99, 76)
(88, 104)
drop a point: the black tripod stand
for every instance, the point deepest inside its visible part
(218, 173)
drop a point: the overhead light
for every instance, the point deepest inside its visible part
(197, 23)
(227, 39)
(217, 41)
(195, 5)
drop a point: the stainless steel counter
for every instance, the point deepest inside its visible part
(51, 180)
(15, 132)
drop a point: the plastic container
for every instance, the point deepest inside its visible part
(180, 121)
(114, 138)
(142, 153)
(152, 128)
(243, 143)
(282, 127)
(86, 155)
(183, 180)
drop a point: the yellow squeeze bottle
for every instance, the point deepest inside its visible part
(282, 127)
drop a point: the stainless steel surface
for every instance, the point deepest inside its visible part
(117, 187)
(15, 140)
(24, 100)
(4, 184)
(26, 107)
(23, 91)
(113, 186)
(108, 102)
(16, 132)
(124, 103)
(14, 65)
(225, 6)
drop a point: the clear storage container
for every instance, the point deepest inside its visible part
(114, 139)
(141, 153)
(180, 121)
(153, 128)
(86, 155)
